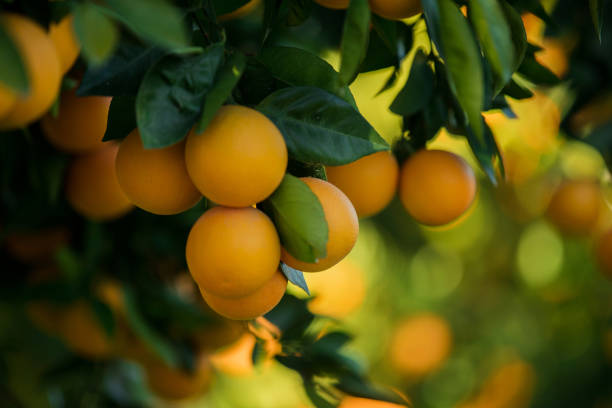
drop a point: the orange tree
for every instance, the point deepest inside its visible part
(211, 157)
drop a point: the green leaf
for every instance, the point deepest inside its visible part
(296, 277)
(172, 93)
(333, 341)
(487, 17)
(517, 31)
(516, 91)
(358, 387)
(96, 33)
(298, 11)
(418, 89)
(596, 7)
(122, 73)
(121, 118)
(455, 41)
(12, 70)
(319, 127)
(227, 6)
(299, 219)
(104, 315)
(157, 20)
(227, 78)
(298, 67)
(355, 35)
(486, 151)
(145, 332)
(292, 317)
(533, 71)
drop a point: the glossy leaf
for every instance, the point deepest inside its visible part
(516, 91)
(157, 20)
(96, 33)
(299, 67)
(597, 8)
(12, 70)
(122, 73)
(418, 89)
(296, 277)
(487, 152)
(121, 117)
(171, 95)
(488, 19)
(535, 72)
(517, 32)
(319, 127)
(225, 81)
(355, 35)
(299, 219)
(454, 39)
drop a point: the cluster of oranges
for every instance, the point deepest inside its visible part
(46, 55)
(390, 9)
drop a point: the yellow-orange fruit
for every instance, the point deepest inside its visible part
(175, 383)
(239, 159)
(155, 180)
(395, 9)
(603, 253)
(356, 402)
(369, 182)
(7, 100)
(83, 333)
(420, 344)
(64, 38)
(236, 360)
(231, 252)
(255, 304)
(240, 12)
(436, 186)
(39, 246)
(42, 66)
(80, 124)
(333, 4)
(92, 188)
(342, 224)
(575, 207)
(553, 56)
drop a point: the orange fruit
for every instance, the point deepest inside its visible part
(42, 66)
(420, 345)
(250, 306)
(240, 12)
(436, 186)
(239, 159)
(39, 246)
(369, 182)
(64, 39)
(603, 253)
(174, 383)
(342, 224)
(575, 207)
(82, 332)
(231, 252)
(356, 402)
(92, 188)
(395, 9)
(155, 180)
(236, 360)
(80, 124)
(333, 4)
(553, 56)
(7, 100)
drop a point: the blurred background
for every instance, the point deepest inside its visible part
(503, 308)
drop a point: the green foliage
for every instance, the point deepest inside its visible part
(417, 91)
(12, 72)
(299, 218)
(355, 37)
(121, 117)
(96, 33)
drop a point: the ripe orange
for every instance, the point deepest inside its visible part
(420, 344)
(155, 180)
(42, 67)
(395, 9)
(436, 186)
(92, 188)
(603, 253)
(342, 223)
(7, 100)
(369, 182)
(64, 38)
(553, 56)
(333, 4)
(231, 252)
(83, 333)
(36, 247)
(255, 304)
(80, 125)
(356, 402)
(175, 383)
(575, 207)
(239, 159)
